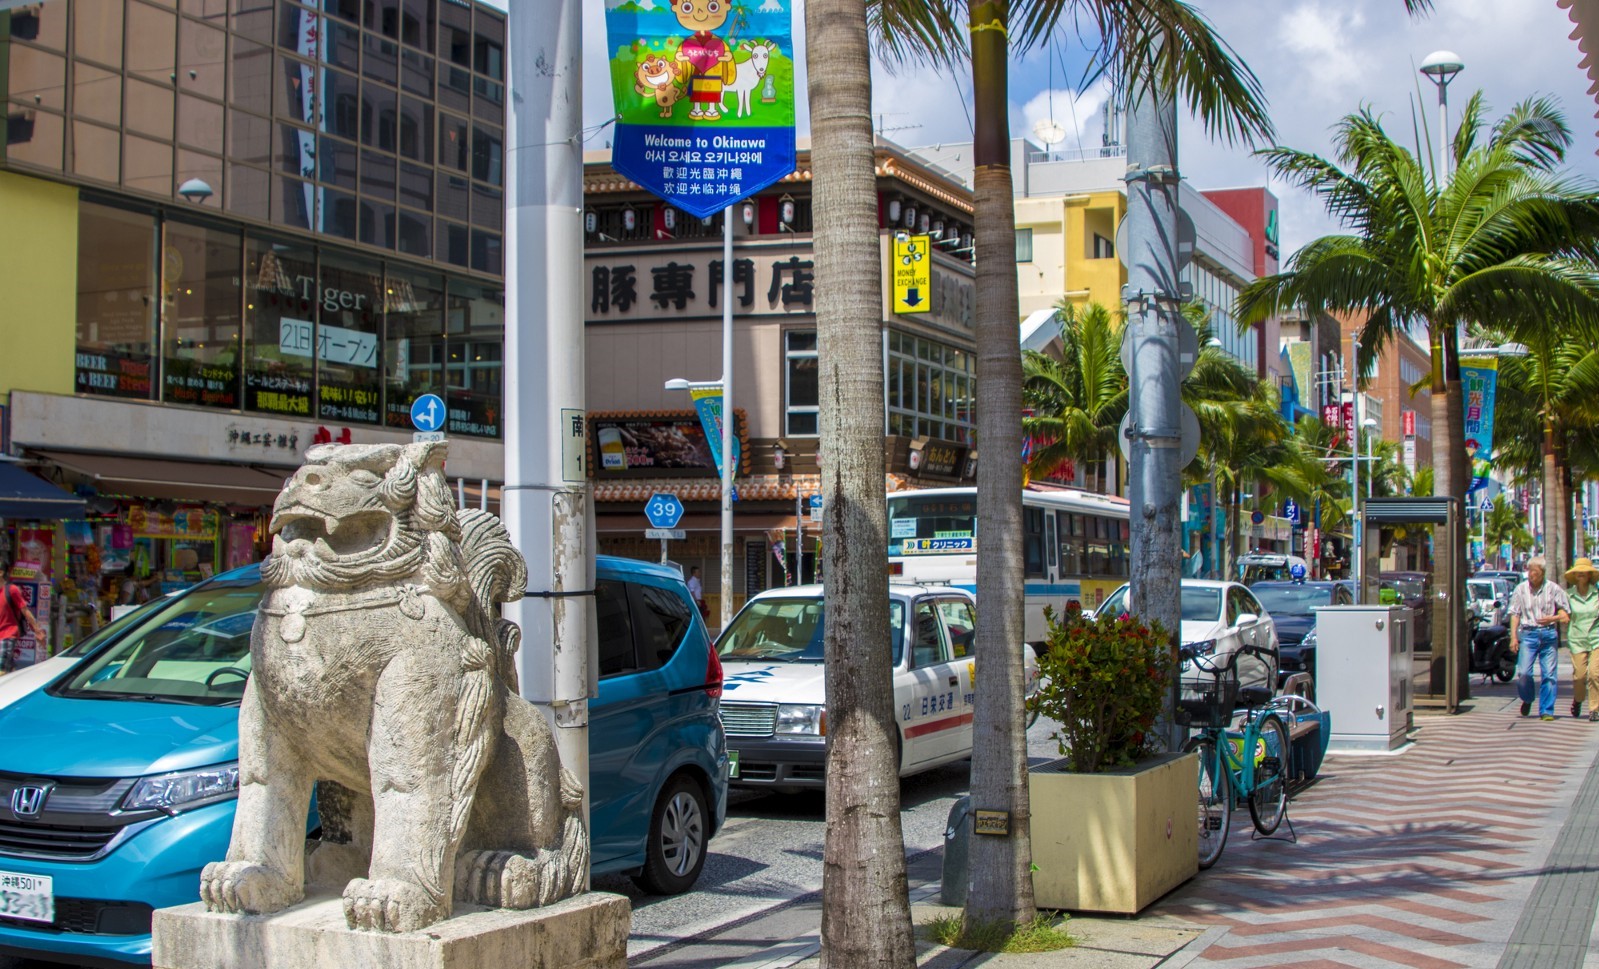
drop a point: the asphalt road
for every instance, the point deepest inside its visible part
(762, 881)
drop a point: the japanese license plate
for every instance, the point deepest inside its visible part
(732, 763)
(28, 897)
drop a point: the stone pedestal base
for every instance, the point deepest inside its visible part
(586, 932)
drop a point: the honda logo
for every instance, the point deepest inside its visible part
(27, 800)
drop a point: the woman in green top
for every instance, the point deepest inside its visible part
(1582, 635)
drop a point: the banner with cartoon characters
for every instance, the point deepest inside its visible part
(1479, 378)
(704, 93)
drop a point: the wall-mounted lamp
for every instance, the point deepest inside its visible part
(925, 224)
(749, 213)
(938, 229)
(195, 190)
(591, 222)
(786, 210)
(910, 216)
(669, 218)
(893, 210)
(629, 219)
(779, 454)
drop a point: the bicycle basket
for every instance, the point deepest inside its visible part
(1211, 704)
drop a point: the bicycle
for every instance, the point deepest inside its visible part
(1224, 770)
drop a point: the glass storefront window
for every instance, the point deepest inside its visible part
(413, 351)
(116, 302)
(350, 301)
(200, 316)
(931, 390)
(280, 288)
(38, 77)
(476, 345)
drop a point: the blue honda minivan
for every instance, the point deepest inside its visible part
(118, 780)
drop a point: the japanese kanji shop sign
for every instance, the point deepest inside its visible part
(672, 283)
(704, 93)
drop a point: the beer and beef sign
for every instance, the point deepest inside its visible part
(655, 444)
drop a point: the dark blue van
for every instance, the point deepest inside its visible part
(112, 801)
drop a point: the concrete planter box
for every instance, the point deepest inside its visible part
(1117, 841)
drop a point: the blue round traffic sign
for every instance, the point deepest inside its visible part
(427, 412)
(663, 510)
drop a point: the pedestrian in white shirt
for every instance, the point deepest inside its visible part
(1537, 608)
(696, 589)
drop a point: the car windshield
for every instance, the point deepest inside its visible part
(1407, 588)
(1200, 604)
(111, 630)
(1482, 589)
(193, 649)
(1292, 600)
(1264, 573)
(789, 630)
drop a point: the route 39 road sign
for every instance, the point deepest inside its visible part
(663, 510)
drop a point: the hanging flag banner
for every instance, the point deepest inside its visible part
(708, 403)
(704, 95)
(1479, 377)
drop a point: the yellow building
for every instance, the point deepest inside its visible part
(1065, 246)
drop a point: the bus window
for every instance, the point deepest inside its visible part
(1033, 541)
(1070, 529)
(1049, 539)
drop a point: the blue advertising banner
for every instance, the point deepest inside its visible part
(708, 403)
(704, 94)
(1479, 377)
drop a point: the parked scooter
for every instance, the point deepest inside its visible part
(1490, 649)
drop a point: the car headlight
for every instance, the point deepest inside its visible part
(804, 719)
(1205, 647)
(1309, 640)
(184, 790)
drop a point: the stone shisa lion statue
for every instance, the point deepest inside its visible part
(381, 664)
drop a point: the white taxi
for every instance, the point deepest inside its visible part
(774, 683)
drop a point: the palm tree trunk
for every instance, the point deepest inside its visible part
(1451, 476)
(1555, 520)
(866, 918)
(1002, 880)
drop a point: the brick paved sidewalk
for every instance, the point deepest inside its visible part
(1423, 859)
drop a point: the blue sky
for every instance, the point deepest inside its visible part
(1317, 60)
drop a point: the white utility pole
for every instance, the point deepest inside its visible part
(546, 498)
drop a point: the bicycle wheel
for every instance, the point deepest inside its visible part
(1215, 799)
(1268, 801)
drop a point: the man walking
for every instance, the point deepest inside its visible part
(14, 612)
(1537, 608)
(696, 590)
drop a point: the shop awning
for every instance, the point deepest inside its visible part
(225, 484)
(25, 495)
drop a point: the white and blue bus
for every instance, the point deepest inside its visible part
(1075, 545)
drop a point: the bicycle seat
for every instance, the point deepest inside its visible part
(1254, 696)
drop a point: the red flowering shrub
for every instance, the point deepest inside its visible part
(1103, 682)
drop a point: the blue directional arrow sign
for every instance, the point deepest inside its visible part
(663, 510)
(427, 412)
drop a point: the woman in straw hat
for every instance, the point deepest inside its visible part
(1582, 634)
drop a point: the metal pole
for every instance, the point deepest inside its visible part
(1443, 134)
(799, 540)
(546, 497)
(727, 418)
(1356, 519)
(1156, 422)
(664, 558)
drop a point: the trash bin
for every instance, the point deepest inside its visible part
(957, 854)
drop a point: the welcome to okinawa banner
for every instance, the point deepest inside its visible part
(704, 93)
(1479, 378)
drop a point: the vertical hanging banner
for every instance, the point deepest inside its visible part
(1479, 378)
(704, 94)
(708, 404)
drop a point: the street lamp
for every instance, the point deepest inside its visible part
(1441, 66)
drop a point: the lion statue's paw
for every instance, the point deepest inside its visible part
(246, 887)
(390, 905)
(508, 879)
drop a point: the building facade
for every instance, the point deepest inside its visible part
(250, 226)
(654, 313)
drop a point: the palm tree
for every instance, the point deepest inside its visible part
(1078, 398)
(1546, 418)
(1163, 44)
(1504, 236)
(1505, 525)
(866, 917)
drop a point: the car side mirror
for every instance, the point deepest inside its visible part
(1498, 604)
(1248, 619)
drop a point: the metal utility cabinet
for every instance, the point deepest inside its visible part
(1363, 659)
